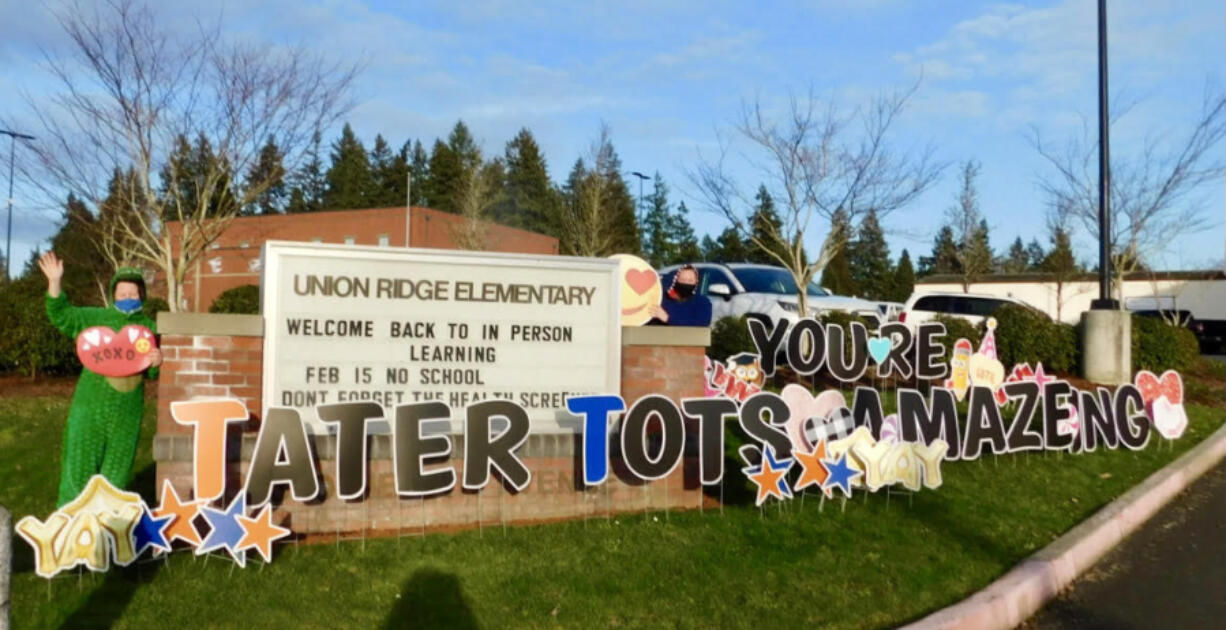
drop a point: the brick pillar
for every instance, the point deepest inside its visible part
(663, 360)
(205, 355)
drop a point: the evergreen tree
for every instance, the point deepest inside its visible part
(976, 255)
(621, 203)
(727, 248)
(578, 214)
(86, 274)
(1018, 258)
(389, 174)
(268, 167)
(380, 156)
(461, 142)
(531, 200)
(903, 284)
(763, 223)
(419, 170)
(1061, 257)
(686, 243)
(117, 218)
(451, 164)
(308, 184)
(836, 276)
(1061, 264)
(1035, 255)
(178, 177)
(192, 174)
(944, 258)
(659, 245)
(869, 259)
(349, 180)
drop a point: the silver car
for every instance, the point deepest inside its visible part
(765, 291)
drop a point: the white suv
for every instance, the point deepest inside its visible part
(765, 291)
(972, 307)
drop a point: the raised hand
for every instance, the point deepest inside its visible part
(53, 268)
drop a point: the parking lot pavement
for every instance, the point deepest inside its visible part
(1171, 573)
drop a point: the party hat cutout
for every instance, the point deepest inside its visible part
(988, 347)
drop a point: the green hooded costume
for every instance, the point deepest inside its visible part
(104, 418)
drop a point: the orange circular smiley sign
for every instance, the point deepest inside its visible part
(640, 289)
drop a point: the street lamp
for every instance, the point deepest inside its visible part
(1104, 301)
(1105, 330)
(8, 239)
(641, 177)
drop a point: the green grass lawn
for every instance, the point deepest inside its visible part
(876, 563)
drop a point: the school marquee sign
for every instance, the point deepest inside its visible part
(367, 324)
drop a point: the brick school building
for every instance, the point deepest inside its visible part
(233, 260)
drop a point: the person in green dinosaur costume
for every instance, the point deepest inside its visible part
(104, 418)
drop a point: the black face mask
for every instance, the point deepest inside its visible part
(684, 290)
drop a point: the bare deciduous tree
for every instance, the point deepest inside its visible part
(1149, 196)
(814, 160)
(481, 191)
(973, 254)
(131, 87)
(589, 220)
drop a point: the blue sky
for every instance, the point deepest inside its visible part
(668, 76)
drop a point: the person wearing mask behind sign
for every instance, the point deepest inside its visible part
(682, 306)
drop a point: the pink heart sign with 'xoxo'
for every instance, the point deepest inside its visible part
(109, 353)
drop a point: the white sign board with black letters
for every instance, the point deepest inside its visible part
(393, 326)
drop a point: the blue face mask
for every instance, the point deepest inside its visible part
(128, 306)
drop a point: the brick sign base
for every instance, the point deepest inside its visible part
(214, 356)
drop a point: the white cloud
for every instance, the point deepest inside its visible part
(1042, 62)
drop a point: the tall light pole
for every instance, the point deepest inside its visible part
(1104, 300)
(8, 239)
(1105, 330)
(642, 177)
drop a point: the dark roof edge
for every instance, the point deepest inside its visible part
(1006, 278)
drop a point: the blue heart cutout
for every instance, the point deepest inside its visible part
(879, 348)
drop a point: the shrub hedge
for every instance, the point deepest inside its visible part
(844, 318)
(243, 300)
(30, 344)
(1024, 335)
(1158, 346)
(729, 336)
(153, 306)
(957, 328)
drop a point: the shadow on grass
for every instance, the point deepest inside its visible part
(431, 599)
(106, 603)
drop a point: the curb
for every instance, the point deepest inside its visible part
(1021, 592)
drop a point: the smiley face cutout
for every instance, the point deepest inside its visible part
(640, 289)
